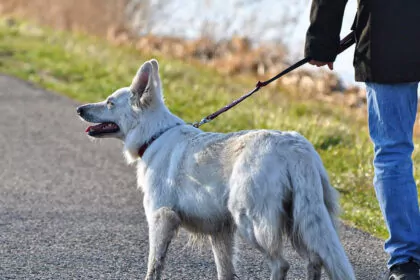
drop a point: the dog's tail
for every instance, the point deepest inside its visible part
(315, 208)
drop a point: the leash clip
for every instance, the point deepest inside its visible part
(200, 123)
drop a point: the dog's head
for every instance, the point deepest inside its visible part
(123, 110)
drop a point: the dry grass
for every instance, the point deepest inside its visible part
(111, 18)
(92, 16)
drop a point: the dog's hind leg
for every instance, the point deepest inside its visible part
(162, 228)
(222, 246)
(314, 265)
(278, 265)
(267, 238)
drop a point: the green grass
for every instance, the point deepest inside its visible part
(88, 69)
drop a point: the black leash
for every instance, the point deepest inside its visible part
(345, 43)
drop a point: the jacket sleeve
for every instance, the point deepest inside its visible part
(323, 35)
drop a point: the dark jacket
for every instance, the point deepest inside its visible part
(387, 38)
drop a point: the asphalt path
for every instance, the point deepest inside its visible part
(69, 207)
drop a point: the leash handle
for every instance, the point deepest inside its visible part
(345, 43)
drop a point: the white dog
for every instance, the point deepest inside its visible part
(266, 184)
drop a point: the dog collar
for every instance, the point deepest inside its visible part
(147, 144)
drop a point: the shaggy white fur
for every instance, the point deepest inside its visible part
(265, 184)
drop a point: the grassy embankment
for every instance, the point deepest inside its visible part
(88, 69)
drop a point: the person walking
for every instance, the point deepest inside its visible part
(387, 60)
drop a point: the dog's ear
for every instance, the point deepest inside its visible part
(155, 64)
(141, 83)
(143, 86)
(156, 76)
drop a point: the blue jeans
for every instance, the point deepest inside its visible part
(392, 111)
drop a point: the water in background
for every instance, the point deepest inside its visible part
(263, 21)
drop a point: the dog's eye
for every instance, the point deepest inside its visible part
(109, 103)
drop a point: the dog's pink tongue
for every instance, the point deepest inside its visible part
(88, 129)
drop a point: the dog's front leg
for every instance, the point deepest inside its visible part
(162, 227)
(222, 246)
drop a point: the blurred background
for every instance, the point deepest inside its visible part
(259, 37)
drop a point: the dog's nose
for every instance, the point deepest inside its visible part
(80, 110)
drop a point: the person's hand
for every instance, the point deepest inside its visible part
(322, 63)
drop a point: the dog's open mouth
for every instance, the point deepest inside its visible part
(102, 128)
